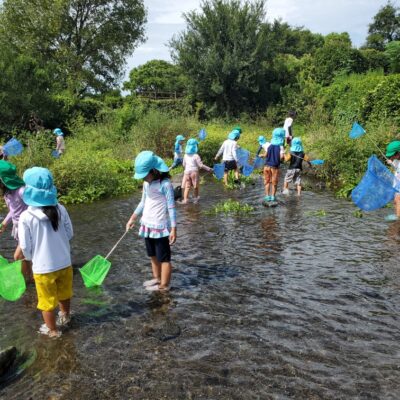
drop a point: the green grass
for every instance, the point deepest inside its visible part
(231, 207)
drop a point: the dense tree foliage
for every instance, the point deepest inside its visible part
(156, 76)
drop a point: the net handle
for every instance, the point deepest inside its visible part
(116, 244)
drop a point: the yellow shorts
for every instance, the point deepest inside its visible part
(53, 287)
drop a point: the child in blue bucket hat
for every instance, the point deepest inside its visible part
(192, 164)
(45, 231)
(178, 152)
(229, 156)
(60, 141)
(158, 221)
(393, 155)
(296, 157)
(274, 153)
(12, 188)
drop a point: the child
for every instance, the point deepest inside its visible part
(287, 126)
(3, 156)
(158, 222)
(45, 230)
(393, 153)
(293, 173)
(12, 188)
(178, 152)
(60, 142)
(229, 156)
(192, 163)
(274, 156)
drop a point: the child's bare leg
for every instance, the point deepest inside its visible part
(274, 189)
(237, 174)
(50, 319)
(186, 194)
(267, 188)
(65, 306)
(196, 191)
(26, 266)
(285, 185)
(397, 205)
(166, 271)
(156, 267)
(226, 178)
(298, 190)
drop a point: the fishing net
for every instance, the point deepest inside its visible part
(94, 272)
(356, 131)
(12, 148)
(247, 170)
(202, 134)
(317, 162)
(242, 156)
(219, 170)
(258, 162)
(12, 282)
(377, 187)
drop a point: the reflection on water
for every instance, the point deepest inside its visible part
(279, 304)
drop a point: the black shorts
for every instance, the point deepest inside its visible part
(159, 248)
(230, 165)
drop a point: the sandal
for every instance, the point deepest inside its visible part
(157, 288)
(151, 282)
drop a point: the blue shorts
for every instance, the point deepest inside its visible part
(159, 248)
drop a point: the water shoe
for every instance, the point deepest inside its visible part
(272, 198)
(267, 198)
(62, 319)
(391, 217)
(157, 288)
(44, 330)
(151, 282)
(285, 191)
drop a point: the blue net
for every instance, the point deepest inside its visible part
(377, 187)
(317, 162)
(55, 154)
(356, 131)
(219, 170)
(242, 156)
(13, 147)
(247, 170)
(258, 162)
(202, 134)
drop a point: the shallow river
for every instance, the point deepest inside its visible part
(283, 303)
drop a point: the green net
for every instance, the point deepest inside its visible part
(3, 261)
(94, 272)
(12, 282)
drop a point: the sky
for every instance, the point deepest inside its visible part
(320, 16)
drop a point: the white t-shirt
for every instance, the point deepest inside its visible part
(48, 249)
(287, 124)
(228, 150)
(192, 163)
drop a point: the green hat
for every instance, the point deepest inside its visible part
(237, 128)
(8, 175)
(393, 148)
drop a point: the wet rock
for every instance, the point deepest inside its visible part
(7, 358)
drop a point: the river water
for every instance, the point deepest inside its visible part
(288, 302)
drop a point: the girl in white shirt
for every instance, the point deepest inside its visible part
(229, 156)
(192, 163)
(44, 231)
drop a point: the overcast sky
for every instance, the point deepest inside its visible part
(320, 16)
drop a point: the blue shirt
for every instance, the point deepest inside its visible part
(273, 158)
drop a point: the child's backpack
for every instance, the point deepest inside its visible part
(178, 192)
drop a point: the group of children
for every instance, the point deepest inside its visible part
(43, 229)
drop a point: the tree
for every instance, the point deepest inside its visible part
(156, 76)
(336, 57)
(225, 54)
(393, 54)
(85, 41)
(384, 28)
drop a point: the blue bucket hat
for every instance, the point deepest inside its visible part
(296, 145)
(39, 188)
(278, 136)
(179, 138)
(235, 134)
(192, 146)
(261, 140)
(58, 132)
(146, 161)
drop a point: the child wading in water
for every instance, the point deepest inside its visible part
(158, 222)
(45, 230)
(287, 126)
(393, 153)
(178, 152)
(296, 157)
(229, 156)
(274, 156)
(12, 188)
(192, 163)
(60, 142)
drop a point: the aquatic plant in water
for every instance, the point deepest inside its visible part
(231, 207)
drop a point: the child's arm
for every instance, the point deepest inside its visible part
(24, 239)
(234, 153)
(68, 224)
(259, 150)
(201, 165)
(220, 151)
(168, 191)
(137, 212)
(282, 153)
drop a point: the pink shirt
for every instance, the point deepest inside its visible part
(15, 205)
(192, 163)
